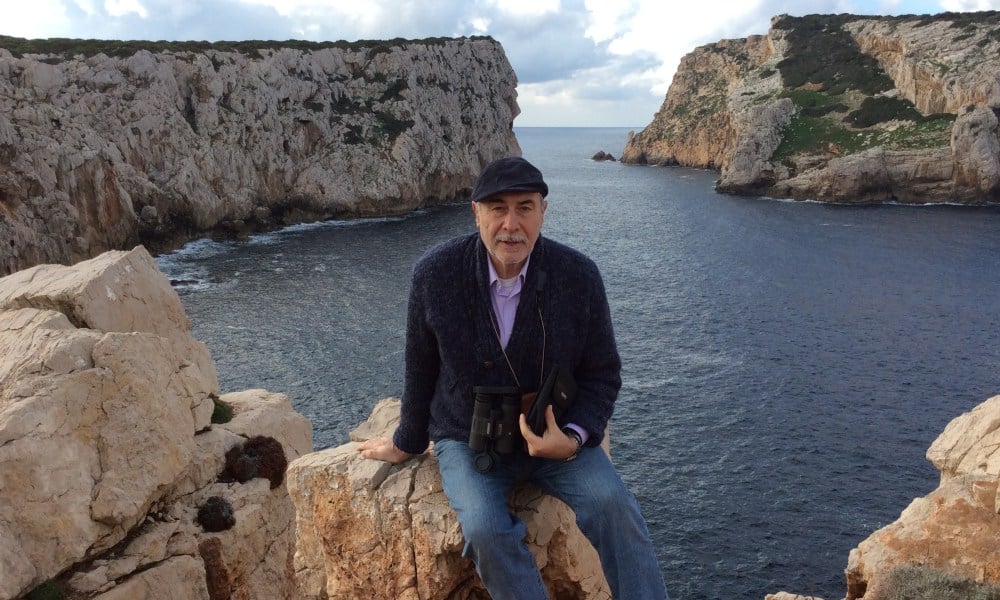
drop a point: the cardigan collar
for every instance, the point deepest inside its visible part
(525, 349)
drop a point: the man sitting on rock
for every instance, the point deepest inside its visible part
(491, 316)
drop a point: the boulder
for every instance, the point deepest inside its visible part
(954, 529)
(368, 529)
(107, 449)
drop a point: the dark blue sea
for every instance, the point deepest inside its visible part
(786, 364)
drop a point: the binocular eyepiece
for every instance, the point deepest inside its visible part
(495, 430)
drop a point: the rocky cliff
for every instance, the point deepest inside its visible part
(122, 475)
(840, 108)
(107, 144)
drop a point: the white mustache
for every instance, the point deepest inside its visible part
(511, 238)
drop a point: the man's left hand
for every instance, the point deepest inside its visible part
(553, 443)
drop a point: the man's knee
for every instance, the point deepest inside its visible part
(477, 533)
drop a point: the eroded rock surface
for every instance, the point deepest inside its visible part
(102, 152)
(107, 447)
(367, 529)
(955, 528)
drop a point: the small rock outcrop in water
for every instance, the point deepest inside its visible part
(601, 155)
(842, 108)
(107, 453)
(367, 529)
(104, 145)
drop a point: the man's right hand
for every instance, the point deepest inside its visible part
(383, 449)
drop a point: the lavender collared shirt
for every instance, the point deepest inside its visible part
(506, 294)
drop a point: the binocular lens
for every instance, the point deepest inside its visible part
(494, 424)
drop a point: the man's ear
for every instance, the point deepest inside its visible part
(475, 211)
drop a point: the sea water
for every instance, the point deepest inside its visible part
(786, 364)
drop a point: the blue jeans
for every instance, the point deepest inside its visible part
(606, 512)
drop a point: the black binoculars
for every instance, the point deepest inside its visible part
(495, 430)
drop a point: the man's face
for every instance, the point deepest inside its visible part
(509, 225)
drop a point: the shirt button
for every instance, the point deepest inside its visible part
(488, 364)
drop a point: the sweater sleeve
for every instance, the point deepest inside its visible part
(598, 373)
(422, 365)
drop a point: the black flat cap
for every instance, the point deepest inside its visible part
(510, 174)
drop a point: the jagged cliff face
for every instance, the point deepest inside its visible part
(686, 130)
(100, 152)
(941, 66)
(841, 108)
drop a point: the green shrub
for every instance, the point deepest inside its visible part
(821, 52)
(813, 103)
(394, 90)
(819, 111)
(813, 135)
(50, 590)
(389, 124)
(314, 106)
(222, 413)
(919, 583)
(822, 134)
(806, 98)
(881, 109)
(260, 456)
(70, 47)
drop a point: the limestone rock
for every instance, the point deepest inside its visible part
(106, 449)
(939, 65)
(121, 291)
(970, 444)
(955, 528)
(103, 152)
(367, 529)
(975, 143)
(733, 107)
(693, 126)
(875, 175)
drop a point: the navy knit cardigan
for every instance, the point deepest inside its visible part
(452, 345)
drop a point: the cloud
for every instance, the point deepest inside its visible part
(611, 60)
(969, 5)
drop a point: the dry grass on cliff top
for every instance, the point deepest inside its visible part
(917, 583)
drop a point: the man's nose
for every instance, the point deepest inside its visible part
(510, 221)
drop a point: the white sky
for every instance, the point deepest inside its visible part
(579, 62)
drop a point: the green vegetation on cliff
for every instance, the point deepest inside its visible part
(837, 91)
(823, 124)
(71, 47)
(821, 53)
